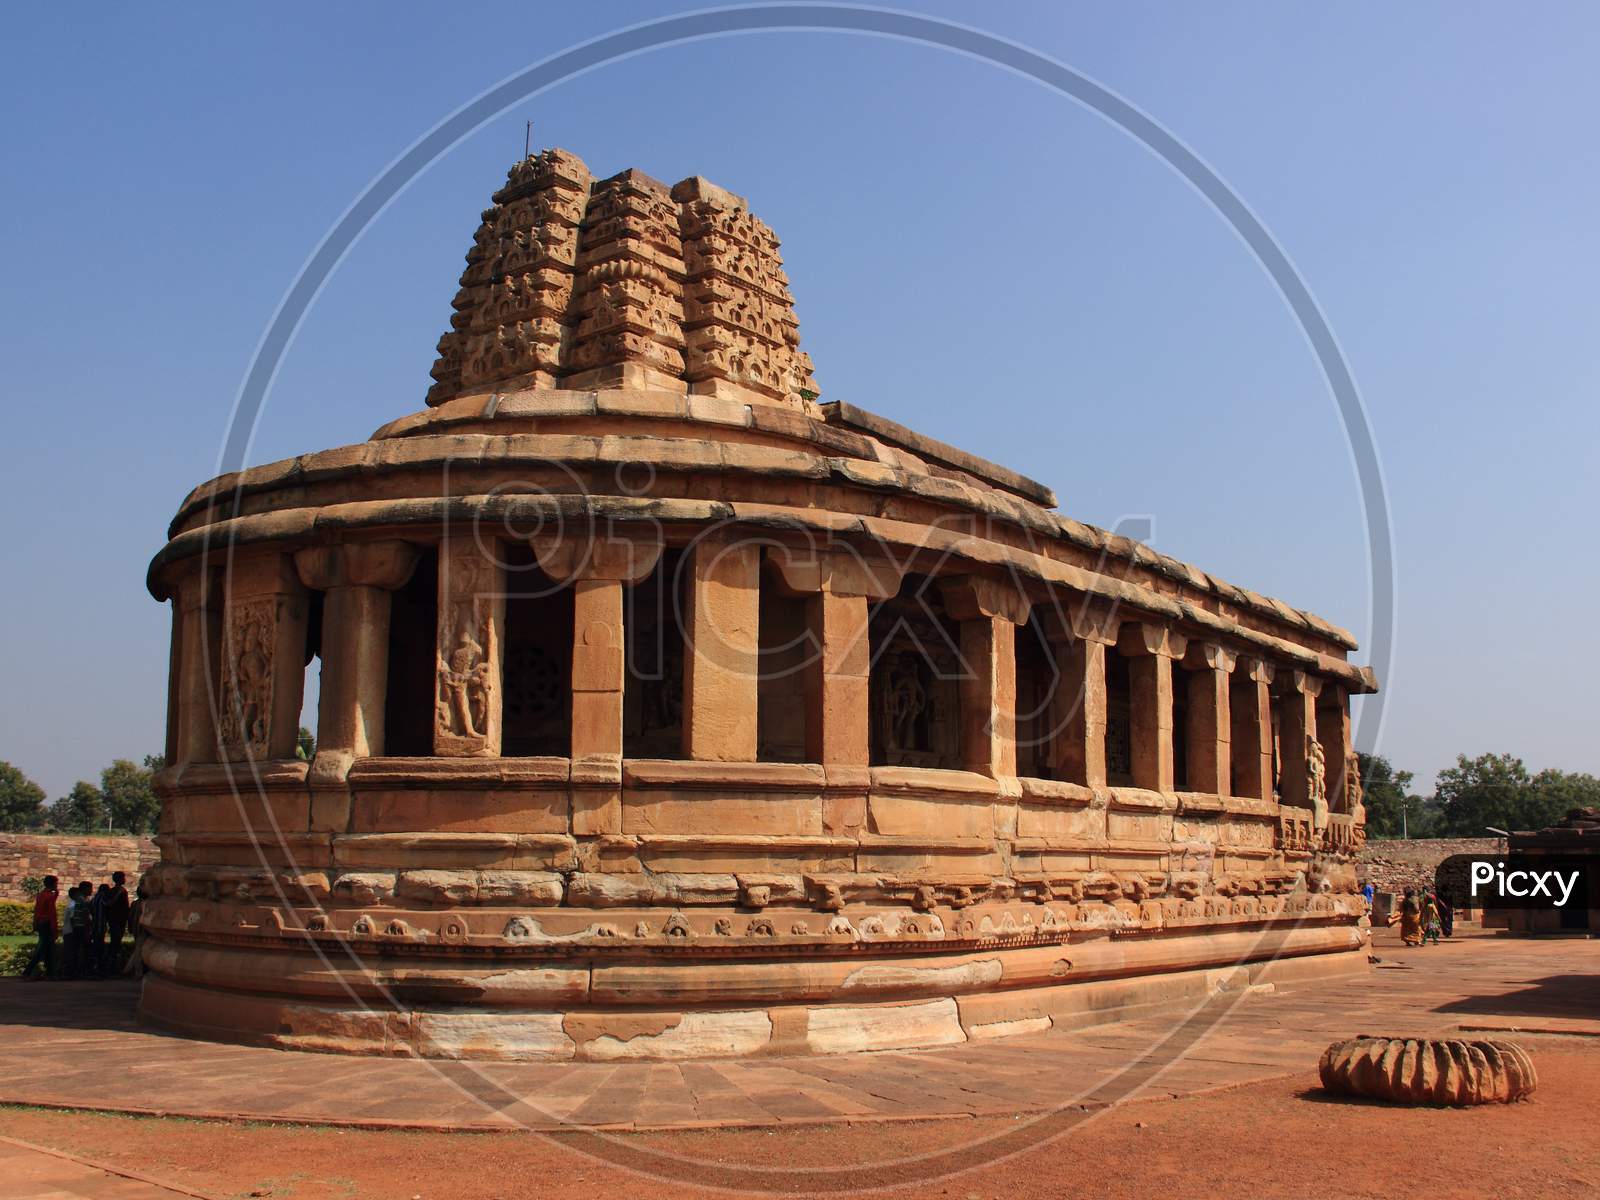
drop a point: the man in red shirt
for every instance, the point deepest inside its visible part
(46, 924)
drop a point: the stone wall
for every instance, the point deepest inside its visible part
(71, 858)
(1392, 865)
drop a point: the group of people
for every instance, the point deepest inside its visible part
(1423, 917)
(91, 928)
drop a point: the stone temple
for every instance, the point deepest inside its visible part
(667, 711)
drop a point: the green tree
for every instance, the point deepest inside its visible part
(1424, 817)
(1494, 791)
(305, 744)
(82, 810)
(21, 800)
(1556, 793)
(1385, 792)
(129, 798)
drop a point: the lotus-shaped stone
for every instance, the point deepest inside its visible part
(1428, 1071)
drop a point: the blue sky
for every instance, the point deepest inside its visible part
(971, 255)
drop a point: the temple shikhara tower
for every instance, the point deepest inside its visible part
(577, 284)
(669, 710)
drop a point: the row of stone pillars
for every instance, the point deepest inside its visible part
(240, 638)
(1235, 747)
(239, 655)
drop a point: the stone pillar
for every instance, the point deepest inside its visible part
(989, 612)
(199, 622)
(720, 661)
(1210, 731)
(837, 705)
(837, 585)
(1333, 731)
(1078, 709)
(1252, 729)
(472, 608)
(169, 746)
(356, 581)
(263, 665)
(597, 671)
(598, 569)
(1297, 729)
(1151, 647)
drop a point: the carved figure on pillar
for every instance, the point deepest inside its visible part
(472, 606)
(1316, 784)
(1354, 798)
(246, 725)
(464, 690)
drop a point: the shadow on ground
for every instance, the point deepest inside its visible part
(1571, 996)
(85, 1004)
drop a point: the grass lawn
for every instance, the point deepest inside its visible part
(16, 949)
(14, 952)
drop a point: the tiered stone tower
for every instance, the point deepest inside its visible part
(668, 713)
(623, 283)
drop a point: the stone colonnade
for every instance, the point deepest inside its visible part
(1249, 728)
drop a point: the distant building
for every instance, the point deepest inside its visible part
(1572, 844)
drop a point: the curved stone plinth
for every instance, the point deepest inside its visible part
(1428, 1071)
(650, 1005)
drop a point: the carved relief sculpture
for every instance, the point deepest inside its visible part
(912, 692)
(904, 701)
(245, 729)
(467, 710)
(1316, 784)
(1354, 799)
(464, 687)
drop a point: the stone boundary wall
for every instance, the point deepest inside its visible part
(71, 857)
(1395, 864)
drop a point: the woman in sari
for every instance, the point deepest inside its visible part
(1409, 919)
(1430, 919)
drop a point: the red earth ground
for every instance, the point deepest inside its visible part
(1281, 1138)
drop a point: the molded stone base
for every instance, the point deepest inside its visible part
(484, 1032)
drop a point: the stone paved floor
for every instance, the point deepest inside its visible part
(77, 1045)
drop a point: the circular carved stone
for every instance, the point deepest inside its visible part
(1428, 1071)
